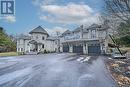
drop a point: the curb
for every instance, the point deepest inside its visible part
(115, 81)
(108, 69)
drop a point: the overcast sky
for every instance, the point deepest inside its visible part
(52, 15)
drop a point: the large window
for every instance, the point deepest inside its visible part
(93, 34)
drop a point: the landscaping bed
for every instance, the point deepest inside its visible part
(120, 70)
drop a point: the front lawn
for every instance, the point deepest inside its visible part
(126, 49)
(9, 54)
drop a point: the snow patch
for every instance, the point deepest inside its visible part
(86, 59)
(109, 58)
(61, 54)
(80, 58)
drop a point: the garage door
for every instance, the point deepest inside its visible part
(77, 49)
(66, 48)
(94, 49)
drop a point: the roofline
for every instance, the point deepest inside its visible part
(38, 32)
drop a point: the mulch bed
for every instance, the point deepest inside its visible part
(120, 70)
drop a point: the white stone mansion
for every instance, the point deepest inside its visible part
(86, 40)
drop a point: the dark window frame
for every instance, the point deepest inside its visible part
(43, 38)
(43, 46)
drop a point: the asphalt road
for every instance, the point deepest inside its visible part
(54, 70)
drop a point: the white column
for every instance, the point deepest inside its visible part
(70, 48)
(61, 48)
(20, 49)
(85, 48)
(29, 48)
(101, 48)
(39, 47)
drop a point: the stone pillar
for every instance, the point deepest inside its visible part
(70, 48)
(39, 48)
(61, 48)
(101, 48)
(85, 48)
(29, 49)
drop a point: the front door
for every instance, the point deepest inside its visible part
(36, 47)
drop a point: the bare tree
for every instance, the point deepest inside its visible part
(120, 8)
(110, 22)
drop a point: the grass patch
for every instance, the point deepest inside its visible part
(10, 54)
(126, 49)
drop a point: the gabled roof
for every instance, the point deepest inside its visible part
(66, 32)
(103, 27)
(39, 29)
(94, 26)
(78, 29)
(85, 30)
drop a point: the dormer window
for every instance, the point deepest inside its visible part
(43, 38)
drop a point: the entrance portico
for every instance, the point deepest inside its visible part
(36, 47)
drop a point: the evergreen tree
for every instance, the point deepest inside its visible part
(6, 42)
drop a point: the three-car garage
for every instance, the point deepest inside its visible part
(83, 47)
(92, 47)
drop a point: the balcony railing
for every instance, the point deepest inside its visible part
(80, 39)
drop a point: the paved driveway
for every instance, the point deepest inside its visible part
(54, 70)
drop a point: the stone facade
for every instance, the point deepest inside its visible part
(85, 40)
(38, 41)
